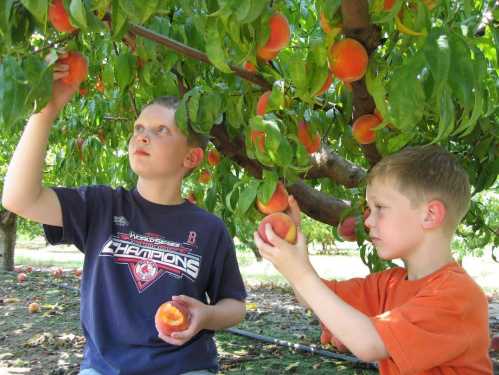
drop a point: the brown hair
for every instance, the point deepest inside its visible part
(193, 138)
(425, 173)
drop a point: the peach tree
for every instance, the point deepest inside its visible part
(307, 93)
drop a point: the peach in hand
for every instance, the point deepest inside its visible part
(281, 224)
(172, 316)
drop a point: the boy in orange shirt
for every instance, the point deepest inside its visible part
(427, 318)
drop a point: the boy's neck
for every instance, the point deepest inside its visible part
(166, 192)
(433, 254)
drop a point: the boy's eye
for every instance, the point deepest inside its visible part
(138, 128)
(163, 130)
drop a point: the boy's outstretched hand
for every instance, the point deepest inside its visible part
(199, 314)
(61, 92)
(290, 260)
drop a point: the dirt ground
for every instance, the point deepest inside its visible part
(50, 342)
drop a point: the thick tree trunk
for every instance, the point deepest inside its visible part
(7, 239)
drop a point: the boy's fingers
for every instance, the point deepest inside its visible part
(273, 238)
(294, 210)
(61, 67)
(186, 299)
(59, 75)
(264, 249)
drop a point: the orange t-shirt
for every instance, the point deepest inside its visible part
(434, 325)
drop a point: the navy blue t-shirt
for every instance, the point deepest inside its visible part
(139, 254)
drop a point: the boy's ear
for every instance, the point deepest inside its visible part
(435, 214)
(194, 157)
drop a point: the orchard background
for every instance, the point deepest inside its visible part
(307, 93)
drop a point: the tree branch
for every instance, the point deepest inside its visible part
(316, 204)
(197, 55)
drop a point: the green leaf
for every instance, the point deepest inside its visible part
(39, 78)
(13, 92)
(38, 8)
(124, 69)
(377, 90)
(214, 45)
(447, 113)
(181, 116)
(139, 10)
(461, 75)
(247, 196)
(267, 188)
(438, 55)
(118, 21)
(255, 10)
(406, 94)
(211, 199)
(78, 14)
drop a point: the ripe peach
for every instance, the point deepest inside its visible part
(266, 54)
(172, 316)
(258, 138)
(83, 91)
(279, 33)
(346, 229)
(362, 129)
(78, 272)
(213, 158)
(325, 86)
(191, 197)
(348, 60)
(21, 277)
(388, 5)
(248, 66)
(261, 105)
(29, 269)
(204, 177)
(278, 201)
(33, 307)
(311, 144)
(78, 68)
(57, 273)
(99, 86)
(59, 18)
(281, 224)
(494, 344)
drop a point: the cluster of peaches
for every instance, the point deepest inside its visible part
(348, 60)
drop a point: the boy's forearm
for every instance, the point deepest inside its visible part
(226, 313)
(23, 181)
(349, 325)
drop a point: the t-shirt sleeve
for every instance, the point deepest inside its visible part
(76, 203)
(432, 319)
(360, 293)
(226, 280)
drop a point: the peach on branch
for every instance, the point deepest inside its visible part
(278, 202)
(311, 143)
(346, 229)
(261, 105)
(348, 60)
(213, 158)
(58, 17)
(363, 129)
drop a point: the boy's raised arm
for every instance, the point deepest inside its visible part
(23, 192)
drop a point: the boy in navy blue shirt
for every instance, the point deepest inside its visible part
(142, 247)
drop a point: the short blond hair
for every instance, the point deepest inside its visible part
(424, 173)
